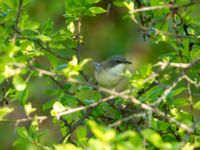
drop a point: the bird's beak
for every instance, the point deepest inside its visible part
(127, 62)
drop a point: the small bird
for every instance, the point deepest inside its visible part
(109, 72)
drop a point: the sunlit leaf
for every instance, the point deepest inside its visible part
(29, 109)
(97, 10)
(197, 106)
(57, 108)
(71, 27)
(66, 147)
(4, 111)
(44, 38)
(152, 137)
(19, 83)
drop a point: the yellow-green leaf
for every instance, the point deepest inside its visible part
(19, 83)
(4, 111)
(152, 137)
(97, 10)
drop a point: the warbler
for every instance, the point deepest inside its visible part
(109, 72)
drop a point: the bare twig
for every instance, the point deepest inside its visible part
(70, 111)
(178, 65)
(160, 32)
(124, 95)
(164, 6)
(133, 100)
(27, 119)
(48, 49)
(78, 39)
(191, 107)
(133, 116)
(195, 83)
(168, 90)
(16, 29)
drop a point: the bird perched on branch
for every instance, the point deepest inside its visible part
(109, 72)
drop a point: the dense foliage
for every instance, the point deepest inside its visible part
(159, 108)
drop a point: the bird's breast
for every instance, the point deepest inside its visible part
(110, 76)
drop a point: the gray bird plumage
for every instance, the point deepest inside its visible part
(109, 72)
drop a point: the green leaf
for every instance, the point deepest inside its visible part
(44, 38)
(19, 83)
(177, 91)
(102, 133)
(4, 111)
(22, 96)
(48, 105)
(93, 1)
(81, 132)
(97, 10)
(71, 27)
(29, 109)
(153, 137)
(66, 147)
(130, 6)
(197, 106)
(118, 3)
(132, 137)
(23, 133)
(57, 108)
(182, 101)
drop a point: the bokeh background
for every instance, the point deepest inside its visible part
(104, 36)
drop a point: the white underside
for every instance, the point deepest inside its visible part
(110, 77)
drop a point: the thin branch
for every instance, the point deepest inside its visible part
(44, 72)
(191, 107)
(40, 118)
(195, 83)
(133, 100)
(70, 111)
(178, 65)
(78, 39)
(168, 90)
(45, 48)
(160, 32)
(17, 20)
(164, 6)
(124, 95)
(133, 116)
(27, 119)
(76, 124)
(48, 49)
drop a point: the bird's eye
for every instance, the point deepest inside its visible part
(118, 61)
